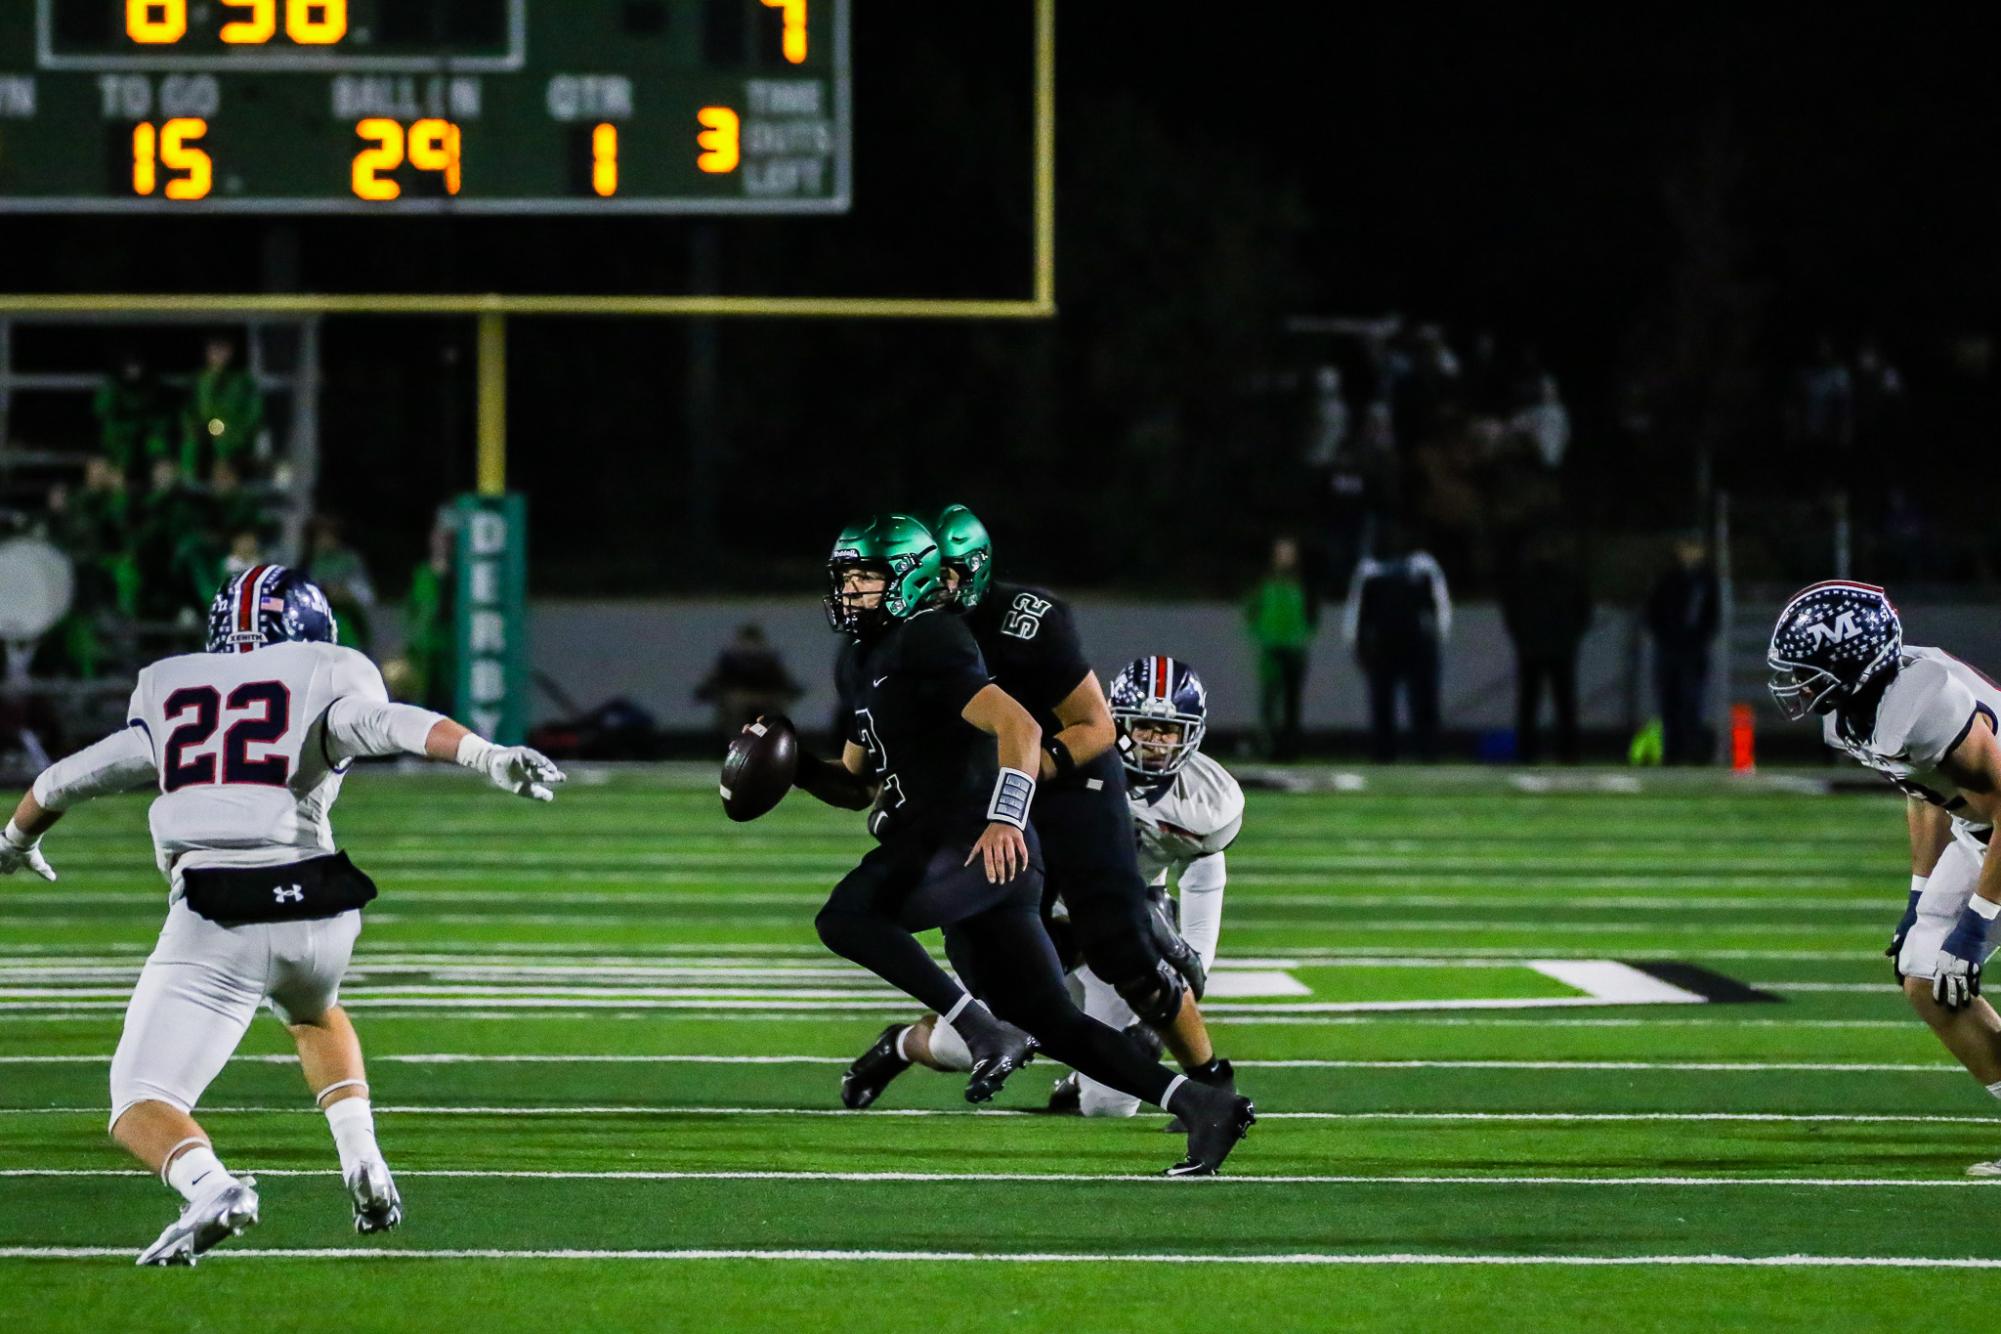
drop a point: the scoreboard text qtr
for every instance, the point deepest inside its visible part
(359, 106)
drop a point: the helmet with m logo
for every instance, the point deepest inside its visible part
(1832, 639)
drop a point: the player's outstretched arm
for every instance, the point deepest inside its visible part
(1004, 846)
(121, 761)
(837, 782)
(1974, 766)
(357, 725)
(1085, 720)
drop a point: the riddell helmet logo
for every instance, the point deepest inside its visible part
(1840, 631)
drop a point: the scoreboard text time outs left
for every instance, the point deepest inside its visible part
(427, 106)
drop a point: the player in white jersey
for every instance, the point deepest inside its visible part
(1926, 721)
(1186, 810)
(248, 744)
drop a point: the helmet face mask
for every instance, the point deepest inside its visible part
(966, 549)
(1160, 711)
(881, 570)
(1832, 640)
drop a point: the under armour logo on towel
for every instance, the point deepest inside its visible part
(296, 894)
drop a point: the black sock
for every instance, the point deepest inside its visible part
(893, 954)
(1209, 1072)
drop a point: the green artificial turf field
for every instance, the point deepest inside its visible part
(605, 1045)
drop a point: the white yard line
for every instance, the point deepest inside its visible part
(1295, 1258)
(657, 1058)
(1764, 1118)
(555, 1012)
(1087, 1178)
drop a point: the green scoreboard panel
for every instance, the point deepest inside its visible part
(425, 106)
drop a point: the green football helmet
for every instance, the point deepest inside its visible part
(963, 545)
(899, 548)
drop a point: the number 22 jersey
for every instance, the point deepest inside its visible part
(247, 766)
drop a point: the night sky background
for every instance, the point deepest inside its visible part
(1597, 184)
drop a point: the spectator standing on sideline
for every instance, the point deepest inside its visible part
(224, 412)
(1281, 619)
(1682, 613)
(1398, 618)
(748, 679)
(339, 570)
(1546, 607)
(428, 671)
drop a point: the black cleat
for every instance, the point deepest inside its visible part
(1218, 1074)
(863, 1082)
(1066, 1096)
(1216, 1119)
(1007, 1051)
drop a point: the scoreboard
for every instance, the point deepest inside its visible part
(425, 106)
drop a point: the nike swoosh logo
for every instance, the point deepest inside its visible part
(878, 681)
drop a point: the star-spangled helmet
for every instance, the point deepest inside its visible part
(1164, 693)
(269, 604)
(1832, 639)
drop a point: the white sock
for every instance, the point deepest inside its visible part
(197, 1173)
(902, 1040)
(1995, 1088)
(353, 1126)
(948, 1049)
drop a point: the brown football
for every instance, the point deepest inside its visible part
(759, 768)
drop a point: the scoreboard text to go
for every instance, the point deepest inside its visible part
(169, 159)
(358, 106)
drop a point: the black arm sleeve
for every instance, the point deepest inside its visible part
(834, 783)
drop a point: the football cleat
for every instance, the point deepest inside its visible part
(1014, 1050)
(1066, 1096)
(225, 1214)
(863, 1082)
(1992, 1169)
(1216, 1120)
(377, 1206)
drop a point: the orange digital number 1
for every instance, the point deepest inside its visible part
(604, 160)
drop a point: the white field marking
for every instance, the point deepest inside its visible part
(459, 951)
(555, 1013)
(1623, 1118)
(1847, 988)
(1303, 1063)
(1615, 983)
(1335, 897)
(1294, 1258)
(552, 1000)
(1090, 1178)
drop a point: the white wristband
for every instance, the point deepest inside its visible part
(1987, 908)
(17, 840)
(1013, 793)
(474, 751)
(1918, 883)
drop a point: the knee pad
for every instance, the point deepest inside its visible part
(1154, 996)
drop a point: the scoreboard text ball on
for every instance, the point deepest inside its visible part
(425, 106)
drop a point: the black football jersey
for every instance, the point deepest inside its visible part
(903, 692)
(1030, 643)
